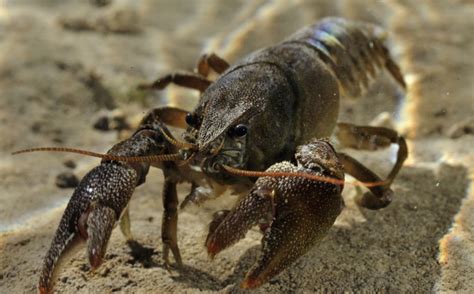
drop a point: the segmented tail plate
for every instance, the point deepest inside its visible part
(353, 51)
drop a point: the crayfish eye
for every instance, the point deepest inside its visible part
(191, 119)
(159, 139)
(239, 130)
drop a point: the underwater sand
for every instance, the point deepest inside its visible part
(48, 49)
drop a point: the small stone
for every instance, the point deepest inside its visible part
(66, 180)
(58, 140)
(119, 123)
(112, 120)
(100, 3)
(100, 93)
(70, 163)
(102, 123)
(461, 128)
(23, 242)
(36, 127)
(441, 112)
(123, 20)
(104, 272)
(85, 268)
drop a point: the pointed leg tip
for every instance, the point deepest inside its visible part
(179, 263)
(212, 249)
(179, 266)
(211, 255)
(167, 267)
(251, 283)
(42, 289)
(95, 262)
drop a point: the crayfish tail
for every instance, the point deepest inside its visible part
(351, 50)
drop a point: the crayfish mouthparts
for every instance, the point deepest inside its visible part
(186, 154)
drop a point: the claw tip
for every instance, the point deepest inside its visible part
(212, 249)
(250, 283)
(42, 290)
(95, 261)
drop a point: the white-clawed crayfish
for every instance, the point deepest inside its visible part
(264, 117)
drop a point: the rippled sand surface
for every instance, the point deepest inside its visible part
(50, 52)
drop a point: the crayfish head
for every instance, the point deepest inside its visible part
(243, 121)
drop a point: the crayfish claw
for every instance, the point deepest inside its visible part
(290, 236)
(217, 219)
(90, 216)
(228, 227)
(65, 241)
(100, 224)
(295, 213)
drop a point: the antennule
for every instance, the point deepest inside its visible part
(249, 173)
(146, 158)
(177, 143)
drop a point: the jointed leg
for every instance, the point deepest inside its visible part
(197, 81)
(371, 138)
(379, 196)
(190, 197)
(199, 195)
(185, 79)
(163, 116)
(167, 115)
(211, 61)
(170, 222)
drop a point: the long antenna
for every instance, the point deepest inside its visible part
(146, 158)
(249, 173)
(175, 142)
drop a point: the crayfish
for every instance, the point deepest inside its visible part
(260, 129)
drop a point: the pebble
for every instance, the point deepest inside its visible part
(461, 128)
(114, 120)
(102, 123)
(67, 180)
(100, 3)
(70, 163)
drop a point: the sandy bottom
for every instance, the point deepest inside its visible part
(62, 66)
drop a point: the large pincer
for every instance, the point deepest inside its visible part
(90, 216)
(97, 204)
(294, 212)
